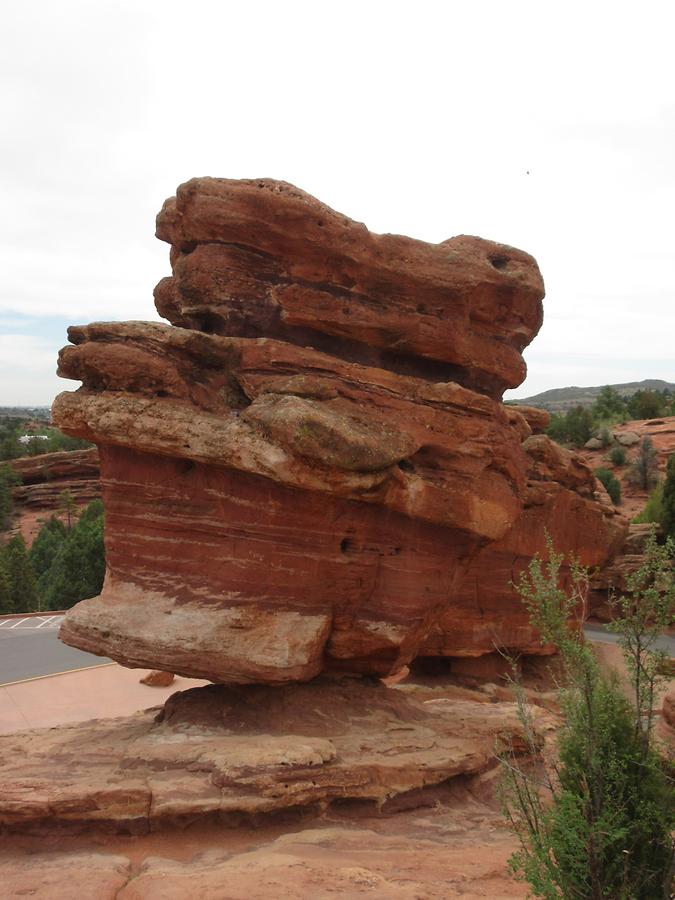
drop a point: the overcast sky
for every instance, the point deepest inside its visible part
(421, 118)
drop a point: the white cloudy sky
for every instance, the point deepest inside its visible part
(415, 117)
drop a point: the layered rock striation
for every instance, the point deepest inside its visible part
(310, 469)
(44, 478)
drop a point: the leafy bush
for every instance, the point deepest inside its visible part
(653, 511)
(605, 437)
(606, 830)
(617, 456)
(611, 483)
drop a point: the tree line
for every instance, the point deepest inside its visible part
(65, 564)
(45, 439)
(581, 423)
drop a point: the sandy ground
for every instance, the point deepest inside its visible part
(104, 691)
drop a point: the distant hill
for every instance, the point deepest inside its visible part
(26, 412)
(562, 399)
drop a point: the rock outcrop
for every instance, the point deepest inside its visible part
(310, 469)
(45, 477)
(223, 752)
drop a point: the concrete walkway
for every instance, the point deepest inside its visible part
(104, 691)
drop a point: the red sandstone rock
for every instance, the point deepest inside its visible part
(158, 679)
(45, 477)
(250, 750)
(261, 258)
(60, 876)
(317, 482)
(668, 709)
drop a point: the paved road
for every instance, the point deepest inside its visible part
(30, 647)
(599, 633)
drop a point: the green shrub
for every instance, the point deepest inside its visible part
(617, 456)
(605, 829)
(667, 517)
(611, 483)
(653, 511)
(644, 472)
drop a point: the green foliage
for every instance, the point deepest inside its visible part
(46, 546)
(63, 566)
(598, 826)
(8, 479)
(6, 605)
(605, 437)
(653, 511)
(575, 427)
(617, 456)
(23, 592)
(609, 406)
(644, 472)
(611, 483)
(667, 517)
(11, 429)
(72, 559)
(647, 405)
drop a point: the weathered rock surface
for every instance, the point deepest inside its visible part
(563, 499)
(45, 477)
(231, 751)
(261, 258)
(441, 844)
(57, 876)
(158, 679)
(305, 472)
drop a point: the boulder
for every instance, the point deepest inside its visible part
(626, 438)
(301, 472)
(593, 444)
(537, 419)
(158, 679)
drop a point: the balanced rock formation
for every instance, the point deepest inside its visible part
(310, 469)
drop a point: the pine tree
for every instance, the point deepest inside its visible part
(8, 479)
(22, 584)
(78, 567)
(47, 545)
(6, 605)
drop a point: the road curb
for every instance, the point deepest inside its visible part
(56, 674)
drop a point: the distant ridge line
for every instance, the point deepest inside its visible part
(560, 399)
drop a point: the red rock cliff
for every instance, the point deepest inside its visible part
(311, 469)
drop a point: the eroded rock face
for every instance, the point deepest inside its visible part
(44, 478)
(250, 750)
(302, 471)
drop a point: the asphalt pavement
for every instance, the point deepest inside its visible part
(30, 647)
(599, 633)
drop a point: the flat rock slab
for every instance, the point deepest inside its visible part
(224, 752)
(426, 858)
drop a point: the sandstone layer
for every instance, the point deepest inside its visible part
(310, 469)
(45, 477)
(227, 752)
